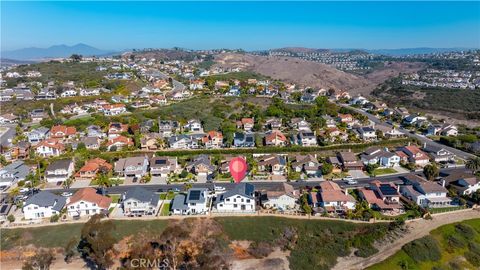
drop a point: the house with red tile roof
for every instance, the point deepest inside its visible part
(115, 129)
(275, 138)
(246, 124)
(333, 198)
(49, 148)
(119, 142)
(91, 168)
(62, 132)
(213, 139)
(113, 109)
(87, 202)
(415, 155)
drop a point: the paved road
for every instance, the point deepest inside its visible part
(266, 185)
(459, 153)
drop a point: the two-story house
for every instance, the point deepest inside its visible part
(59, 170)
(163, 166)
(213, 139)
(307, 138)
(243, 139)
(91, 168)
(132, 167)
(195, 202)
(37, 135)
(138, 201)
(425, 193)
(240, 199)
(86, 202)
(43, 205)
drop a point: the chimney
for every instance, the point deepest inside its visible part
(398, 188)
(346, 191)
(424, 145)
(443, 183)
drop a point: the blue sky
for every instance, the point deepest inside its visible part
(248, 25)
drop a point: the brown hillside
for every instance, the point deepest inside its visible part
(297, 71)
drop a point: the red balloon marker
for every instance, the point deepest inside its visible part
(238, 169)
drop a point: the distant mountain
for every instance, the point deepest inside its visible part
(53, 52)
(410, 51)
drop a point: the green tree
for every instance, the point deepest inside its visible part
(76, 57)
(96, 243)
(473, 164)
(103, 180)
(304, 204)
(431, 171)
(11, 218)
(327, 168)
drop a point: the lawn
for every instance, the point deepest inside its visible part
(165, 210)
(60, 235)
(115, 198)
(319, 242)
(382, 171)
(452, 257)
(445, 209)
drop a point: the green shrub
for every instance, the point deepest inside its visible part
(465, 230)
(423, 249)
(455, 241)
(54, 218)
(11, 218)
(474, 247)
(366, 251)
(473, 258)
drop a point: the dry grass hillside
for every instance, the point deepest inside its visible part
(315, 74)
(297, 71)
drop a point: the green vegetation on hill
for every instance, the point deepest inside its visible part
(60, 235)
(317, 243)
(84, 73)
(453, 246)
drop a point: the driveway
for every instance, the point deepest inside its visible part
(80, 184)
(357, 174)
(158, 180)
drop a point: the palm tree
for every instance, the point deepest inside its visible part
(103, 180)
(473, 164)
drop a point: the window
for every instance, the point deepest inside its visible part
(235, 206)
(248, 200)
(228, 199)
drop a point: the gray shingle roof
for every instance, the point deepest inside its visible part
(143, 195)
(179, 202)
(47, 199)
(243, 189)
(59, 164)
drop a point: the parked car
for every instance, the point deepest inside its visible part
(219, 188)
(66, 194)
(24, 190)
(349, 180)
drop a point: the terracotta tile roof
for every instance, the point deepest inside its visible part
(247, 121)
(90, 195)
(335, 196)
(329, 185)
(275, 135)
(95, 164)
(53, 143)
(66, 131)
(120, 139)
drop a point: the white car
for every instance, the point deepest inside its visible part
(24, 190)
(218, 188)
(349, 180)
(66, 194)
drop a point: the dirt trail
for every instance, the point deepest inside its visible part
(416, 229)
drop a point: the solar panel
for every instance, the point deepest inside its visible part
(160, 161)
(387, 190)
(194, 195)
(4, 208)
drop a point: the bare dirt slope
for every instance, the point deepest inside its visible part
(393, 69)
(295, 70)
(308, 73)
